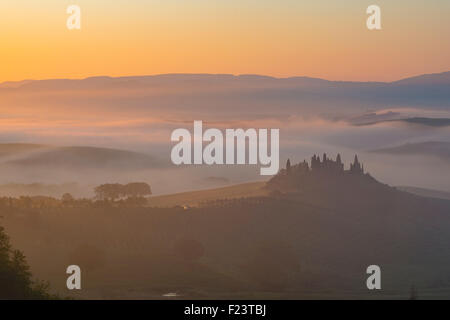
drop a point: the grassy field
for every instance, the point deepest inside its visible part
(194, 198)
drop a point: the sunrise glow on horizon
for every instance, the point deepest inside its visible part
(326, 39)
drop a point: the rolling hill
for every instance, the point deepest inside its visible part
(304, 234)
(438, 149)
(74, 157)
(430, 193)
(195, 198)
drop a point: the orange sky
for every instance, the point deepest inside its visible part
(326, 39)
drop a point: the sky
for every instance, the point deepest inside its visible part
(324, 38)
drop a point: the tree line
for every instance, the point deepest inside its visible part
(113, 191)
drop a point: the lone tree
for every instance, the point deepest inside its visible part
(288, 166)
(67, 199)
(15, 277)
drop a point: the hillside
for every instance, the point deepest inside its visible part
(426, 192)
(429, 79)
(14, 149)
(195, 198)
(310, 232)
(73, 157)
(438, 149)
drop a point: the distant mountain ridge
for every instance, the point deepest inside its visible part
(425, 79)
(228, 94)
(433, 78)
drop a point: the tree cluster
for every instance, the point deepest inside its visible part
(112, 191)
(15, 277)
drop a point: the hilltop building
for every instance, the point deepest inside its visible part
(325, 164)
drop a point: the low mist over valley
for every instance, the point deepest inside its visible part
(92, 129)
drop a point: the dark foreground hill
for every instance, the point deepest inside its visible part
(312, 236)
